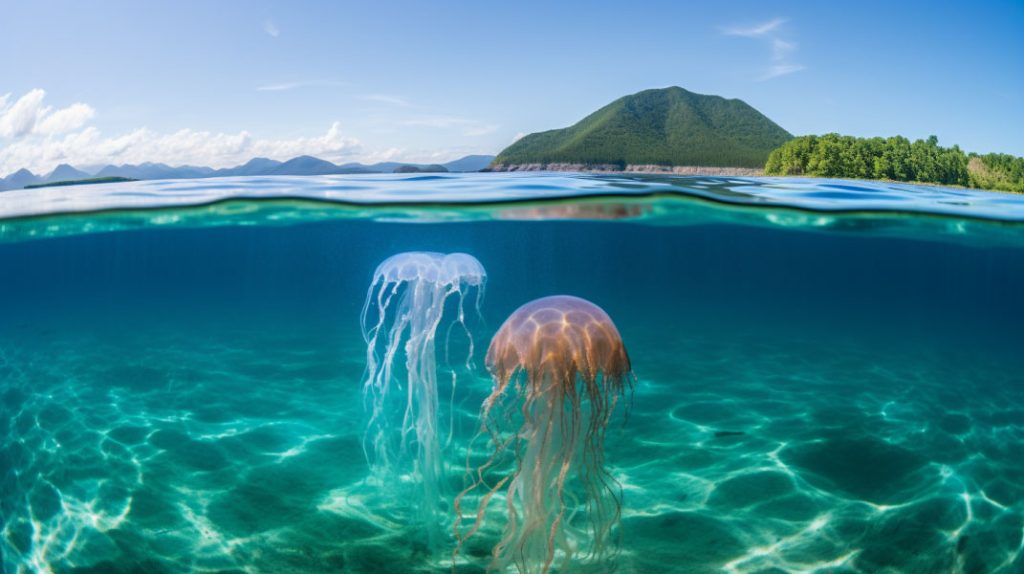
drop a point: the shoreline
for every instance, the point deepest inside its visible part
(709, 171)
(640, 168)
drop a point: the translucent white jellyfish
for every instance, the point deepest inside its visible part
(406, 432)
(559, 367)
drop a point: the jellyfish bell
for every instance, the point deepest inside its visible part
(413, 265)
(463, 267)
(405, 433)
(559, 335)
(559, 367)
(457, 270)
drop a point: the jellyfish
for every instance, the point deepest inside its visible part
(404, 435)
(559, 367)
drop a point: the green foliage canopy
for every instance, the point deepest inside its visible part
(111, 179)
(895, 158)
(669, 127)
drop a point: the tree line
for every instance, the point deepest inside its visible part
(897, 159)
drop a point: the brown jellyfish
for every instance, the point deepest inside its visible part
(559, 368)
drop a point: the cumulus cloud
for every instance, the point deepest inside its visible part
(183, 147)
(66, 119)
(37, 137)
(28, 116)
(781, 50)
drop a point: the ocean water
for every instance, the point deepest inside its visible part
(830, 375)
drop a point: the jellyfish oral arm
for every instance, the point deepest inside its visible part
(558, 365)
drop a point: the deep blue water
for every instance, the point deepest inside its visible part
(816, 392)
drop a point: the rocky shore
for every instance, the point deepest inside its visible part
(614, 168)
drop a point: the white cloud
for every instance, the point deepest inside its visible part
(66, 119)
(39, 148)
(776, 70)
(780, 49)
(20, 118)
(270, 28)
(37, 137)
(278, 87)
(29, 116)
(756, 30)
(518, 136)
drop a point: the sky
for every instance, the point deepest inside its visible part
(217, 83)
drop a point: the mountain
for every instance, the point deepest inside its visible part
(65, 172)
(383, 167)
(668, 127)
(155, 171)
(302, 165)
(470, 163)
(255, 166)
(20, 179)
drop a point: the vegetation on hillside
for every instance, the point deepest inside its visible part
(112, 179)
(997, 171)
(897, 159)
(432, 168)
(669, 127)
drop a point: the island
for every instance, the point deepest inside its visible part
(91, 180)
(432, 168)
(669, 130)
(673, 130)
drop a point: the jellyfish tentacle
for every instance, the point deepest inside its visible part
(378, 375)
(406, 431)
(563, 362)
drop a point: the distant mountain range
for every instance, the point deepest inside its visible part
(302, 165)
(662, 127)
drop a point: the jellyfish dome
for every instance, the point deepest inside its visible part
(559, 368)
(412, 294)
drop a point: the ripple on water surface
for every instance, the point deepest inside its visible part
(483, 188)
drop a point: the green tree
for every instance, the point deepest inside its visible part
(895, 158)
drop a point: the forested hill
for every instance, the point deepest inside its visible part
(667, 127)
(897, 159)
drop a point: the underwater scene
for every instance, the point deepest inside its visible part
(511, 373)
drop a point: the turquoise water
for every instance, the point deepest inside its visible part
(829, 373)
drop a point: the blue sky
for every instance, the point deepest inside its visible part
(215, 83)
